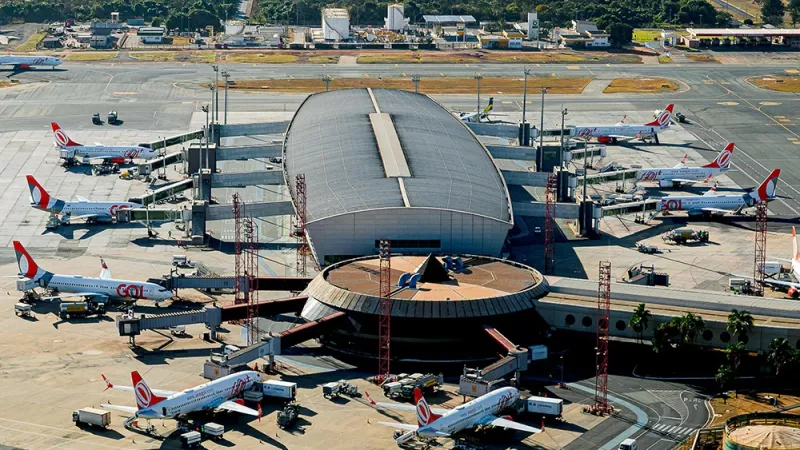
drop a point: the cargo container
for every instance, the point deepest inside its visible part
(213, 430)
(23, 309)
(191, 439)
(279, 389)
(553, 407)
(91, 416)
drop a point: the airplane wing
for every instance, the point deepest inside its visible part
(81, 198)
(498, 422)
(718, 210)
(85, 216)
(161, 392)
(685, 181)
(235, 407)
(127, 409)
(781, 259)
(74, 294)
(771, 281)
(400, 426)
(400, 406)
(682, 163)
(711, 191)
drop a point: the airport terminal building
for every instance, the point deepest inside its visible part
(391, 164)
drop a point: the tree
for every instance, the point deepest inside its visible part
(689, 326)
(619, 34)
(780, 353)
(735, 352)
(794, 10)
(640, 320)
(724, 376)
(661, 338)
(740, 323)
(156, 22)
(772, 12)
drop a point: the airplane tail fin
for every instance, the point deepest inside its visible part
(40, 199)
(61, 137)
(27, 266)
(144, 396)
(766, 190)
(723, 160)
(795, 254)
(663, 117)
(424, 414)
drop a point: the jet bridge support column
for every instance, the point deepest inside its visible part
(199, 221)
(202, 185)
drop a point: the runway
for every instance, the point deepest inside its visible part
(720, 104)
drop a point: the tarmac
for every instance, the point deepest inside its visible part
(58, 363)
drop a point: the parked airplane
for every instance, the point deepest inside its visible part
(67, 211)
(480, 116)
(611, 134)
(117, 154)
(434, 422)
(709, 203)
(26, 62)
(680, 174)
(794, 287)
(162, 404)
(99, 290)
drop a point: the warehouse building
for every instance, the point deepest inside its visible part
(390, 164)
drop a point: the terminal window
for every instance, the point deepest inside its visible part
(413, 243)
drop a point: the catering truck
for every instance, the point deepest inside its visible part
(91, 416)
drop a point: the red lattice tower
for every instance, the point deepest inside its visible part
(251, 272)
(761, 248)
(300, 223)
(384, 310)
(241, 289)
(549, 226)
(601, 405)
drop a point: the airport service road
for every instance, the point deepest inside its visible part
(720, 104)
(657, 414)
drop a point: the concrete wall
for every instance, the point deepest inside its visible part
(555, 314)
(355, 234)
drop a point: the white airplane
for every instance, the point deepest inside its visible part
(794, 287)
(26, 62)
(434, 422)
(68, 211)
(162, 404)
(680, 174)
(118, 154)
(611, 134)
(99, 290)
(709, 203)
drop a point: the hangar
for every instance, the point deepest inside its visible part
(391, 164)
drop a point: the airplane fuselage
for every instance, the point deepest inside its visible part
(694, 204)
(626, 131)
(469, 415)
(204, 397)
(79, 208)
(686, 173)
(118, 153)
(117, 289)
(26, 62)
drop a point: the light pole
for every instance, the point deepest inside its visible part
(225, 76)
(561, 153)
(478, 77)
(541, 124)
(205, 109)
(215, 114)
(415, 79)
(525, 137)
(327, 79)
(211, 109)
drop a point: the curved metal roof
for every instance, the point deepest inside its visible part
(332, 140)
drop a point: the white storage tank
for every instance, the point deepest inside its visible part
(335, 24)
(395, 18)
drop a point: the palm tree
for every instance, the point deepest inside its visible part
(724, 376)
(780, 353)
(739, 323)
(689, 326)
(660, 338)
(735, 353)
(640, 320)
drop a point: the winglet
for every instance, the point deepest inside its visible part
(371, 401)
(103, 263)
(795, 253)
(108, 383)
(259, 412)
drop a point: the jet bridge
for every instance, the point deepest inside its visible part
(164, 192)
(190, 136)
(160, 162)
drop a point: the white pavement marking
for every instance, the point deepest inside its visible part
(641, 417)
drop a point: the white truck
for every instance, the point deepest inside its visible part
(279, 389)
(191, 439)
(628, 444)
(91, 416)
(542, 406)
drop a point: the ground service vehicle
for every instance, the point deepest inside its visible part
(212, 430)
(96, 119)
(23, 309)
(113, 117)
(191, 439)
(288, 416)
(279, 389)
(72, 309)
(628, 444)
(547, 406)
(91, 416)
(684, 235)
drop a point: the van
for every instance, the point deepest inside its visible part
(229, 349)
(628, 444)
